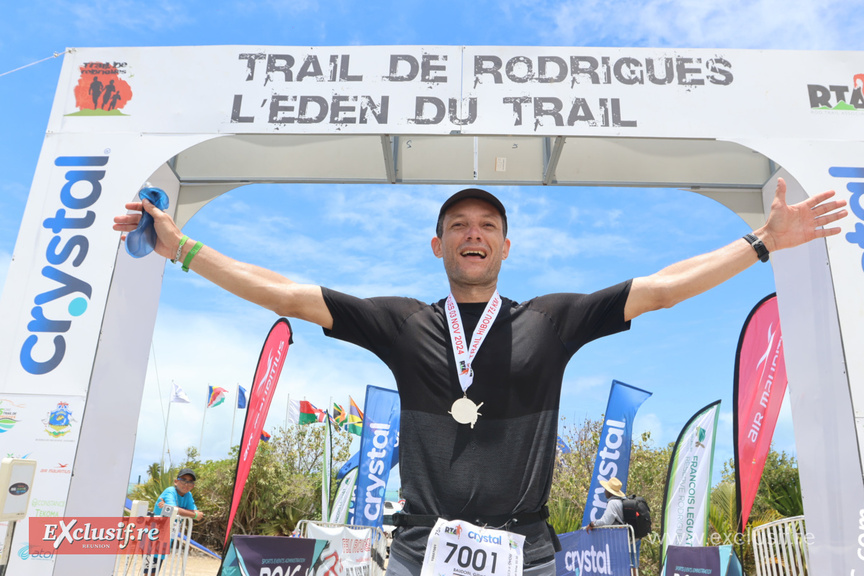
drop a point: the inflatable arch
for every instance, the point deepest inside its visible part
(199, 121)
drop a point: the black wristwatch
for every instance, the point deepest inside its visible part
(761, 250)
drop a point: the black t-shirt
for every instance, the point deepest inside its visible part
(504, 465)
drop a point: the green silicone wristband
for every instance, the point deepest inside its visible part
(191, 255)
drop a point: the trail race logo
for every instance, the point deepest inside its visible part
(838, 97)
(101, 91)
(8, 414)
(59, 422)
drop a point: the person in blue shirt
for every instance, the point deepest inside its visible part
(180, 496)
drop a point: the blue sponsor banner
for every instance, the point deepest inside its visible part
(613, 453)
(605, 551)
(354, 462)
(378, 444)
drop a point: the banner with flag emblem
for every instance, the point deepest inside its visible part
(215, 396)
(688, 481)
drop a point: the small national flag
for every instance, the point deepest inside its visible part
(215, 396)
(178, 395)
(340, 418)
(304, 412)
(355, 419)
(241, 398)
(265, 437)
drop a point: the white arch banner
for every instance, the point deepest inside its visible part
(78, 314)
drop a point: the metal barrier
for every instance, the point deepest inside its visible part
(631, 542)
(171, 564)
(780, 548)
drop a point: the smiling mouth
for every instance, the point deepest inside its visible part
(479, 253)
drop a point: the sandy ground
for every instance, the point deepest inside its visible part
(201, 565)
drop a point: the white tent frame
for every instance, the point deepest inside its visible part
(736, 165)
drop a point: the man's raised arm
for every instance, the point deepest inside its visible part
(253, 283)
(787, 227)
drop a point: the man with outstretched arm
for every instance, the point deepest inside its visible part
(479, 375)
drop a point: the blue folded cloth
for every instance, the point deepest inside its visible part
(142, 240)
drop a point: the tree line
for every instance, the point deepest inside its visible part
(284, 487)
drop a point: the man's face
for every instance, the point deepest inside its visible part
(472, 244)
(184, 484)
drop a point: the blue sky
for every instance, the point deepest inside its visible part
(374, 240)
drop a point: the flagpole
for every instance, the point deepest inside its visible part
(165, 442)
(203, 418)
(325, 470)
(287, 409)
(233, 418)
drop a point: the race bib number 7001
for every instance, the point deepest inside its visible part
(458, 548)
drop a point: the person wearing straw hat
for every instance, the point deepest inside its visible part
(614, 515)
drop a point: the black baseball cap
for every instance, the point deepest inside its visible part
(187, 471)
(477, 193)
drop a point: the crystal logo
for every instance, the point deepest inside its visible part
(609, 457)
(855, 204)
(377, 474)
(40, 353)
(591, 561)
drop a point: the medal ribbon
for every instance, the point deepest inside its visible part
(463, 350)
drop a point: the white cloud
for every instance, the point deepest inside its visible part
(764, 24)
(586, 385)
(651, 422)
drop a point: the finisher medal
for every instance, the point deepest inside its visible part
(465, 411)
